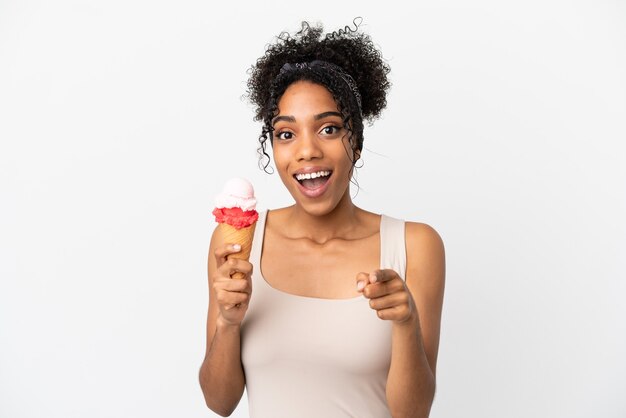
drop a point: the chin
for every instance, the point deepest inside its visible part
(320, 207)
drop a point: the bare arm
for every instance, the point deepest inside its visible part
(414, 306)
(221, 375)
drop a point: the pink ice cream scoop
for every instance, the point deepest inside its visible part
(236, 205)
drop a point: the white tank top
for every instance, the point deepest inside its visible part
(312, 357)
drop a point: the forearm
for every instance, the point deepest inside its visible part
(410, 384)
(221, 374)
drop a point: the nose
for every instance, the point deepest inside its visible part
(309, 147)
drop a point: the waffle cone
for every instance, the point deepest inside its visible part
(230, 235)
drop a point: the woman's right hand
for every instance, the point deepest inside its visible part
(232, 295)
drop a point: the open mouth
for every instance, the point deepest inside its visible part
(313, 181)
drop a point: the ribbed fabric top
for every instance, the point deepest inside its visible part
(313, 357)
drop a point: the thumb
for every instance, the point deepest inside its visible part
(362, 279)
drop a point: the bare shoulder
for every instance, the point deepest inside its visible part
(423, 244)
(425, 261)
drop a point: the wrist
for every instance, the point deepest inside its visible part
(410, 323)
(222, 324)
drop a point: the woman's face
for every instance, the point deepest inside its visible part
(310, 145)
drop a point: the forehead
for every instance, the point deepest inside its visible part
(305, 94)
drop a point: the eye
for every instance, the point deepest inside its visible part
(284, 135)
(331, 129)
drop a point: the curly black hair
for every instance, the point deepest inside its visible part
(351, 50)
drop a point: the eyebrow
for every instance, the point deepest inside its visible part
(316, 117)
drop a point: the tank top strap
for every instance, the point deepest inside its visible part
(257, 240)
(392, 245)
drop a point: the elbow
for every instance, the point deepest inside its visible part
(422, 411)
(428, 398)
(217, 405)
(432, 388)
(415, 405)
(223, 412)
(219, 408)
(212, 400)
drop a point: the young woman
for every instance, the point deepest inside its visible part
(339, 312)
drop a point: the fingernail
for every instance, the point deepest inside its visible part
(360, 285)
(372, 278)
(236, 247)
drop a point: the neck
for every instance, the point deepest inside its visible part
(321, 228)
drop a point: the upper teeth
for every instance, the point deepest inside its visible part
(305, 176)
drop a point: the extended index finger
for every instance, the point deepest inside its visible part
(382, 275)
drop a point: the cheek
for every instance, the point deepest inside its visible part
(281, 164)
(344, 155)
(277, 156)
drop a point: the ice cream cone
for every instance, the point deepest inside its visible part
(236, 217)
(243, 236)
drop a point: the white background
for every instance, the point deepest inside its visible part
(121, 119)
